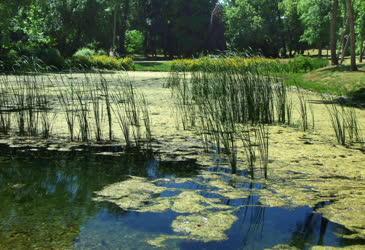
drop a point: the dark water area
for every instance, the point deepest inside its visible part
(47, 203)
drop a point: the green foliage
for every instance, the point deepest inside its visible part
(51, 57)
(262, 65)
(101, 62)
(85, 52)
(315, 16)
(306, 64)
(134, 42)
(255, 24)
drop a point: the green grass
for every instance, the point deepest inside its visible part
(331, 80)
(153, 66)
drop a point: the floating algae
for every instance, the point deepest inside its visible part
(349, 212)
(205, 227)
(205, 218)
(190, 202)
(131, 194)
(282, 247)
(356, 247)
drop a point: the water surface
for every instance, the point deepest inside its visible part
(47, 202)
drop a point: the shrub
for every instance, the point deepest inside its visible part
(134, 42)
(85, 52)
(101, 62)
(51, 57)
(8, 60)
(243, 64)
(306, 64)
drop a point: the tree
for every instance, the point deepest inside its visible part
(315, 15)
(360, 24)
(293, 27)
(256, 25)
(351, 18)
(334, 19)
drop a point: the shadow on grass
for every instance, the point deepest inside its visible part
(355, 100)
(344, 68)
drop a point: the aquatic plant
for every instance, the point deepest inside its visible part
(98, 114)
(82, 112)
(214, 103)
(305, 109)
(67, 100)
(5, 102)
(344, 121)
(18, 102)
(105, 92)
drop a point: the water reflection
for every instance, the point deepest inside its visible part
(47, 203)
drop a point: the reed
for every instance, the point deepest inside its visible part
(5, 114)
(106, 94)
(306, 111)
(67, 99)
(83, 111)
(344, 122)
(18, 100)
(216, 103)
(262, 135)
(98, 115)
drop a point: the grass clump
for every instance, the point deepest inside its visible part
(344, 121)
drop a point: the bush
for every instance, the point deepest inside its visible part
(102, 62)
(253, 65)
(51, 57)
(235, 63)
(85, 52)
(134, 42)
(8, 60)
(304, 64)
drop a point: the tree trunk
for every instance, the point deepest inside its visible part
(320, 49)
(350, 12)
(362, 51)
(124, 27)
(345, 46)
(334, 18)
(114, 29)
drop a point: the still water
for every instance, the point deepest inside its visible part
(48, 203)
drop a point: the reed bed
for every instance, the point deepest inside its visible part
(29, 104)
(231, 107)
(344, 121)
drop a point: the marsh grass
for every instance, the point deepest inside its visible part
(104, 86)
(82, 111)
(89, 104)
(344, 121)
(306, 112)
(98, 115)
(67, 99)
(5, 102)
(228, 106)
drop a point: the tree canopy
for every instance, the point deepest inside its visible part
(180, 28)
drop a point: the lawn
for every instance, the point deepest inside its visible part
(332, 80)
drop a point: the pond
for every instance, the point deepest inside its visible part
(63, 202)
